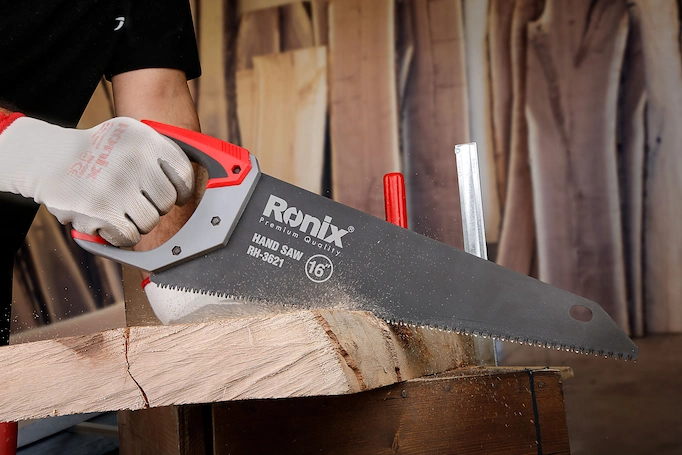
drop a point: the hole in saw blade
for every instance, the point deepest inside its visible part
(581, 313)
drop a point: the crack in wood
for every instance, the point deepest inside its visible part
(352, 364)
(126, 334)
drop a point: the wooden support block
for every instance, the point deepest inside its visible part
(469, 411)
(169, 430)
(435, 119)
(575, 53)
(364, 105)
(303, 353)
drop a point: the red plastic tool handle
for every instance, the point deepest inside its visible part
(227, 164)
(394, 199)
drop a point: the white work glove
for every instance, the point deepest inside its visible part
(114, 180)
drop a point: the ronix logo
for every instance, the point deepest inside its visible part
(323, 230)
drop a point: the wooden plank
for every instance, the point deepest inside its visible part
(480, 122)
(472, 412)
(500, 15)
(575, 52)
(296, 27)
(283, 104)
(326, 352)
(435, 119)
(245, 7)
(258, 35)
(405, 49)
(319, 11)
(516, 248)
(660, 27)
(247, 98)
(631, 153)
(212, 98)
(363, 106)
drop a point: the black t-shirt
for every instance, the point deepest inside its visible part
(53, 53)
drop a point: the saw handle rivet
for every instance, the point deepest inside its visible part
(403, 394)
(236, 170)
(176, 250)
(541, 385)
(215, 220)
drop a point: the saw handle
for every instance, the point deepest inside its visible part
(227, 164)
(232, 176)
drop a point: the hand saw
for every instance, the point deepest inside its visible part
(255, 239)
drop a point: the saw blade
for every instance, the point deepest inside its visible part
(295, 248)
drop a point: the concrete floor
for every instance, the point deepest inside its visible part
(617, 407)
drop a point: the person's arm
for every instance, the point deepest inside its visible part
(114, 180)
(162, 95)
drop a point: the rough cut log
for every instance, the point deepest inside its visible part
(327, 352)
(469, 411)
(662, 209)
(500, 15)
(296, 27)
(631, 151)
(363, 106)
(282, 104)
(517, 238)
(435, 119)
(575, 53)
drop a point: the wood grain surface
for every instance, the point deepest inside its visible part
(282, 105)
(660, 25)
(298, 354)
(631, 157)
(296, 27)
(435, 119)
(575, 54)
(363, 106)
(517, 238)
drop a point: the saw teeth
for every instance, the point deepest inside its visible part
(456, 329)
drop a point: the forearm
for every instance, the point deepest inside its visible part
(161, 95)
(155, 94)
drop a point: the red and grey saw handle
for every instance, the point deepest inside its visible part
(232, 176)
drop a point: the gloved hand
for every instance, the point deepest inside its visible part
(114, 180)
